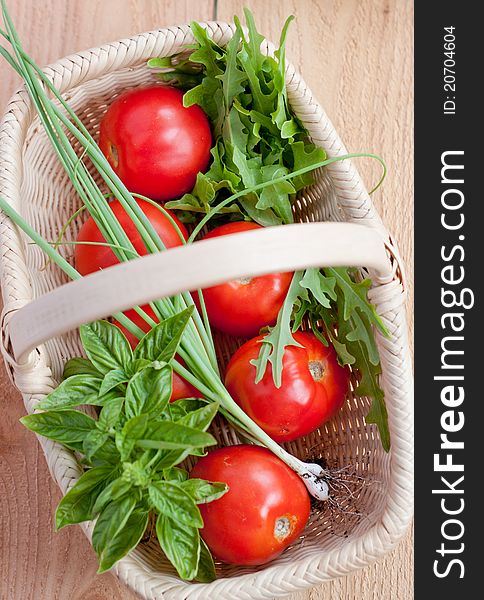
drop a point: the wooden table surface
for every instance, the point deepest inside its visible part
(357, 56)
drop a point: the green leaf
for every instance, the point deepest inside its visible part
(64, 426)
(110, 524)
(305, 155)
(107, 454)
(175, 474)
(276, 196)
(77, 505)
(106, 346)
(125, 540)
(93, 441)
(206, 566)
(133, 430)
(232, 78)
(344, 355)
(171, 500)
(356, 297)
(113, 491)
(110, 414)
(161, 342)
(112, 379)
(79, 366)
(320, 286)
(74, 391)
(149, 391)
(204, 491)
(279, 337)
(362, 332)
(181, 544)
(200, 418)
(165, 435)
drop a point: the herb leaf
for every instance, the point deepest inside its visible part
(149, 391)
(181, 544)
(77, 505)
(66, 426)
(173, 501)
(106, 346)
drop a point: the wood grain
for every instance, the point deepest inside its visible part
(357, 56)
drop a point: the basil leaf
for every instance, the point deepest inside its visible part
(204, 491)
(77, 505)
(171, 500)
(181, 544)
(133, 430)
(93, 441)
(114, 490)
(77, 390)
(161, 342)
(112, 379)
(206, 566)
(79, 366)
(175, 474)
(149, 391)
(125, 540)
(106, 454)
(106, 346)
(110, 413)
(201, 418)
(165, 435)
(64, 426)
(110, 523)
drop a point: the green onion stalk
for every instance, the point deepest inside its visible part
(196, 346)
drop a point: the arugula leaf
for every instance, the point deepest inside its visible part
(244, 94)
(355, 296)
(280, 336)
(106, 346)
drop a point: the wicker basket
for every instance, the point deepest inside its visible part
(337, 540)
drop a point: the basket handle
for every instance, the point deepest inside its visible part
(194, 266)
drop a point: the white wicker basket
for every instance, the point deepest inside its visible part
(31, 179)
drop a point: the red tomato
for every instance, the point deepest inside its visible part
(180, 387)
(242, 307)
(264, 511)
(313, 387)
(154, 144)
(92, 258)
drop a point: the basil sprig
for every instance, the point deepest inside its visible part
(130, 451)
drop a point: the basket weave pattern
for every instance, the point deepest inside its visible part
(338, 539)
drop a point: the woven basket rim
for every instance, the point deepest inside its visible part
(75, 69)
